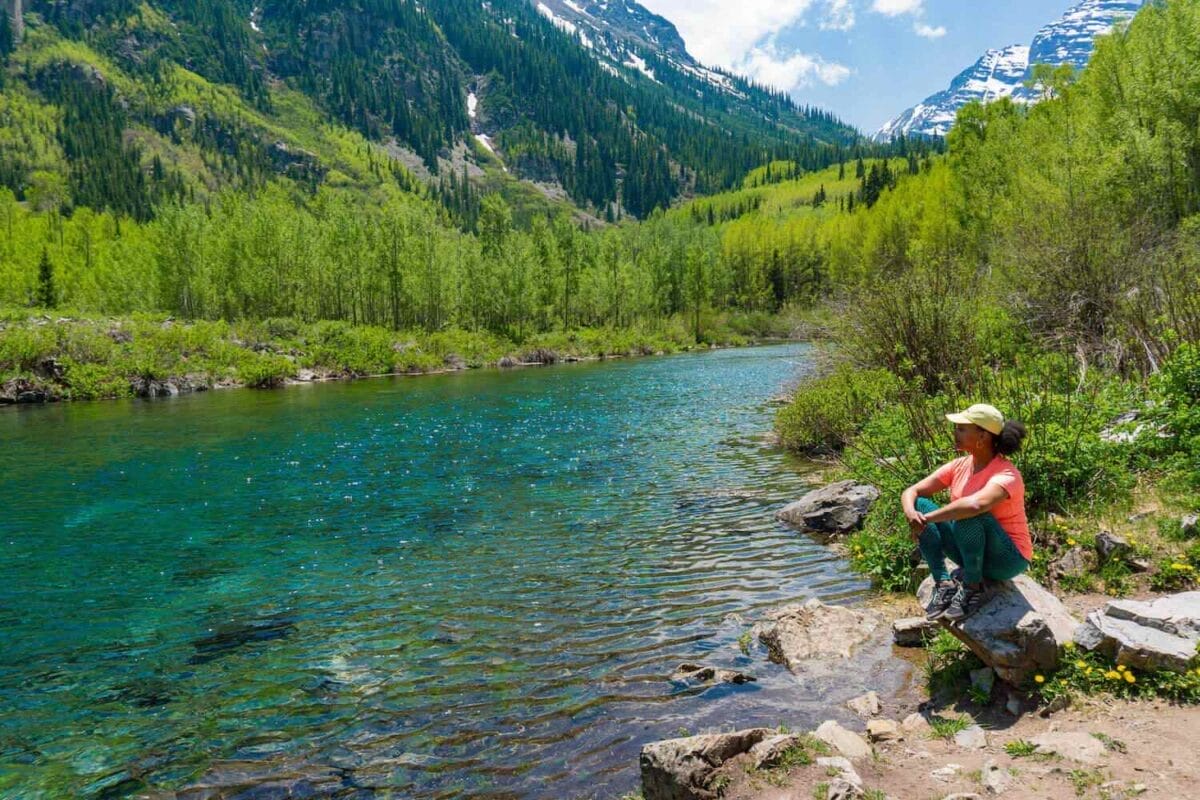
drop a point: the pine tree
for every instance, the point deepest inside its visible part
(46, 295)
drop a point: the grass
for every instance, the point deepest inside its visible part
(1084, 779)
(1020, 748)
(1111, 744)
(947, 727)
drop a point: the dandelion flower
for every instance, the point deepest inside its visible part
(1039, 678)
(1069, 646)
(1113, 675)
(1121, 668)
(1179, 566)
(1081, 664)
(1071, 542)
(1129, 677)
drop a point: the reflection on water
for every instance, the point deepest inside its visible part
(472, 585)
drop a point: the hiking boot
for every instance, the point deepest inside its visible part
(943, 595)
(965, 603)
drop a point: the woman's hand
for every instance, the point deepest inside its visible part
(916, 523)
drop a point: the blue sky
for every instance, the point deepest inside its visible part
(865, 60)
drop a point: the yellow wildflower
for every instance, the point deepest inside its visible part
(1113, 675)
(1039, 678)
(1129, 678)
(1121, 668)
(1177, 565)
(1081, 664)
(1069, 646)
(1071, 542)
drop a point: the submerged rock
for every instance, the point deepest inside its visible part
(225, 639)
(836, 509)
(798, 633)
(1021, 629)
(685, 673)
(1162, 634)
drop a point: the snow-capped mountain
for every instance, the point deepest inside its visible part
(623, 33)
(1002, 73)
(998, 74)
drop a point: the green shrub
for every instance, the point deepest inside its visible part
(95, 381)
(883, 549)
(22, 347)
(827, 412)
(263, 371)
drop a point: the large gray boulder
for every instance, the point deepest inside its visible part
(683, 769)
(836, 509)
(795, 634)
(1020, 630)
(1162, 634)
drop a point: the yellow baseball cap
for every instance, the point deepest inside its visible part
(987, 417)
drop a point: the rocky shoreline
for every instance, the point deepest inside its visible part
(992, 737)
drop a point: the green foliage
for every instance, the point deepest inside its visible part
(883, 550)
(1088, 674)
(948, 665)
(947, 727)
(1020, 748)
(827, 412)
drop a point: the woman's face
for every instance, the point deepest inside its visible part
(968, 438)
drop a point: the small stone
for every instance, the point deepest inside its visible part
(982, 680)
(962, 796)
(1189, 526)
(883, 730)
(973, 738)
(840, 789)
(865, 706)
(994, 779)
(1138, 788)
(1109, 546)
(915, 724)
(1013, 706)
(947, 773)
(845, 769)
(1076, 745)
(848, 743)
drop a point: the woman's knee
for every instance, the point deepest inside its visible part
(925, 505)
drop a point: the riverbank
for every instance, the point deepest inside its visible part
(1099, 724)
(63, 357)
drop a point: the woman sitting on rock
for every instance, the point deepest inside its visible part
(983, 529)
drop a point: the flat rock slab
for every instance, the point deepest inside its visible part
(836, 509)
(682, 769)
(1075, 745)
(913, 631)
(798, 633)
(1020, 630)
(1162, 634)
(848, 743)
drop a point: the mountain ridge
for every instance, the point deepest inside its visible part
(1069, 40)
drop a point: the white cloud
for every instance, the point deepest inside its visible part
(839, 16)
(789, 71)
(720, 32)
(928, 31)
(894, 8)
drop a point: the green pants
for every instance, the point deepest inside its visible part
(979, 545)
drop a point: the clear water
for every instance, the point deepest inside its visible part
(471, 585)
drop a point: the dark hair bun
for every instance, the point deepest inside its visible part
(1010, 439)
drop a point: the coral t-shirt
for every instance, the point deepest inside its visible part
(1009, 512)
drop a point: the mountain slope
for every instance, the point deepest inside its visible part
(1003, 73)
(622, 120)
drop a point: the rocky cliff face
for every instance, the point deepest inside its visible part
(1003, 73)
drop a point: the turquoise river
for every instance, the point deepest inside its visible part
(470, 585)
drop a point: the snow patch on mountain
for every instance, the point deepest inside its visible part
(1003, 73)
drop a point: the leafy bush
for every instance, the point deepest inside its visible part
(827, 412)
